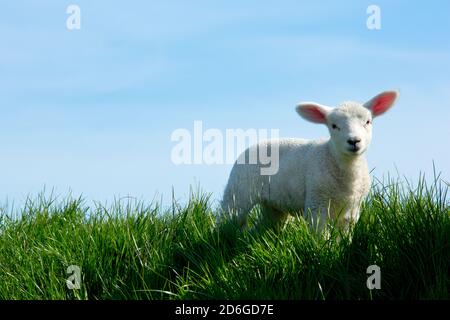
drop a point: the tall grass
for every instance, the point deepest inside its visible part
(133, 251)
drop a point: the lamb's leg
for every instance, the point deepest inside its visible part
(352, 217)
(347, 216)
(317, 214)
(236, 208)
(272, 216)
(242, 218)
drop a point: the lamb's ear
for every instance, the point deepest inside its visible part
(382, 102)
(313, 112)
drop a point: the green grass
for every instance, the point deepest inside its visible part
(133, 251)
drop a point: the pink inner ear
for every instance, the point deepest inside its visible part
(314, 114)
(383, 103)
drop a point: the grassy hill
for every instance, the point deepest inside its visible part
(134, 251)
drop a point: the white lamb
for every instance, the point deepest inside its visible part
(323, 179)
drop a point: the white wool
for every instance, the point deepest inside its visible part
(325, 178)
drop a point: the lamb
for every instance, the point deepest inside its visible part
(322, 179)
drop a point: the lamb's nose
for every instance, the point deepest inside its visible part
(353, 141)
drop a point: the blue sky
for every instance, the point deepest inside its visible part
(92, 110)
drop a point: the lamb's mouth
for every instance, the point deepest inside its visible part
(354, 150)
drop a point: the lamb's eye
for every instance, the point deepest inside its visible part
(334, 126)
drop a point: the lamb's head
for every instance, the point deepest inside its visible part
(350, 124)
